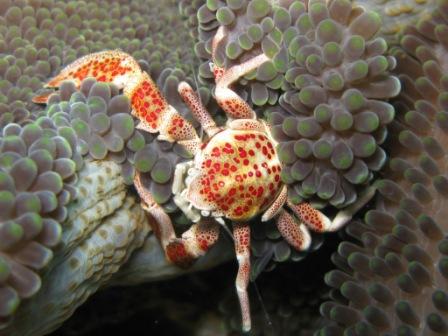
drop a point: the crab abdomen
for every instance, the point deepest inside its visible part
(240, 174)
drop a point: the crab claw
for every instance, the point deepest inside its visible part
(148, 103)
(112, 66)
(42, 98)
(156, 115)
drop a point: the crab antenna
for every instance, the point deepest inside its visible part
(263, 307)
(219, 36)
(197, 109)
(196, 83)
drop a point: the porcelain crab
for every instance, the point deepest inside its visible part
(236, 172)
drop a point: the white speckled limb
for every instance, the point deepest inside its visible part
(163, 225)
(234, 106)
(235, 72)
(296, 234)
(344, 216)
(241, 235)
(197, 109)
(219, 36)
(276, 206)
(310, 216)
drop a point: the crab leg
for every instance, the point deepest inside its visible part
(318, 222)
(163, 227)
(313, 218)
(276, 206)
(197, 109)
(113, 66)
(344, 216)
(230, 102)
(156, 115)
(241, 234)
(195, 242)
(297, 235)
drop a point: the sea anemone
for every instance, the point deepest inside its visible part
(393, 278)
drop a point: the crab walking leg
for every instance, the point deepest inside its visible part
(112, 66)
(230, 102)
(344, 216)
(276, 206)
(318, 222)
(241, 235)
(156, 115)
(313, 218)
(197, 109)
(163, 227)
(297, 235)
(195, 242)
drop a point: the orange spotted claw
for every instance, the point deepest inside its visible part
(156, 115)
(148, 103)
(112, 66)
(42, 98)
